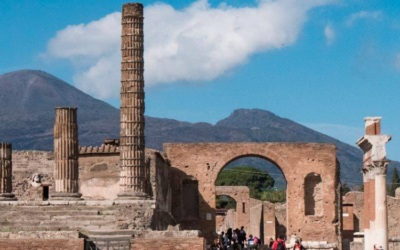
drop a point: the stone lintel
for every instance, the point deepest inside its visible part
(373, 147)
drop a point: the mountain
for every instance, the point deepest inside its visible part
(28, 99)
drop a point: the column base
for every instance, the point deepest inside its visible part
(7, 197)
(133, 196)
(66, 196)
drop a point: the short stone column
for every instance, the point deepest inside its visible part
(375, 192)
(397, 193)
(132, 145)
(66, 152)
(6, 172)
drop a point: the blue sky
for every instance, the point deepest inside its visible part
(335, 63)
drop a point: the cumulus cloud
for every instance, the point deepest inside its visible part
(198, 43)
(374, 15)
(330, 34)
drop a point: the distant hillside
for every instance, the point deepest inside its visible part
(28, 99)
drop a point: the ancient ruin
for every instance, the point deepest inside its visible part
(132, 104)
(66, 150)
(123, 194)
(375, 193)
(6, 172)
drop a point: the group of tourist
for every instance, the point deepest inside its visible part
(234, 240)
(237, 240)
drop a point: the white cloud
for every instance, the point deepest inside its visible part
(329, 33)
(374, 15)
(198, 43)
(344, 133)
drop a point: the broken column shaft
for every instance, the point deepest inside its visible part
(66, 152)
(6, 172)
(375, 194)
(132, 145)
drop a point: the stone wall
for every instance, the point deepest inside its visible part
(42, 244)
(281, 222)
(269, 221)
(99, 175)
(99, 180)
(204, 161)
(168, 240)
(357, 200)
(226, 221)
(25, 165)
(169, 244)
(256, 213)
(242, 197)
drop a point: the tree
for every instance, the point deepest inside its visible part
(395, 183)
(257, 180)
(345, 189)
(225, 202)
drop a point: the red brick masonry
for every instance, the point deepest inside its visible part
(169, 244)
(42, 244)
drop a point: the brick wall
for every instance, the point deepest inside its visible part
(357, 200)
(169, 244)
(204, 161)
(42, 244)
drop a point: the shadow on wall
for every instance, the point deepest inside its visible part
(186, 201)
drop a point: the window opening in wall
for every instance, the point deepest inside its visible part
(243, 207)
(313, 195)
(45, 193)
(190, 199)
(224, 202)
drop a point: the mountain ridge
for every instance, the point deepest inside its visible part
(27, 119)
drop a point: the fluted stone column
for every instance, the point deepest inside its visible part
(66, 152)
(6, 172)
(132, 145)
(375, 193)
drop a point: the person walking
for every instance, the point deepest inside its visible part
(242, 237)
(279, 244)
(298, 245)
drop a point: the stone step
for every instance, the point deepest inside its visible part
(48, 228)
(84, 218)
(111, 233)
(69, 223)
(33, 214)
(57, 208)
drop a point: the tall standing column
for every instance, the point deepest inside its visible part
(6, 172)
(132, 145)
(66, 154)
(375, 194)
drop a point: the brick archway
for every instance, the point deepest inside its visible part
(204, 161)
(241, 195)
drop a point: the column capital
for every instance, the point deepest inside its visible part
(374, 169)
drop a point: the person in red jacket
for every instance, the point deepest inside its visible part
(279, 244)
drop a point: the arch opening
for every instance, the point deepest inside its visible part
(266, 185)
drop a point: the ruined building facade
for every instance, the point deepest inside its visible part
(77, 197)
